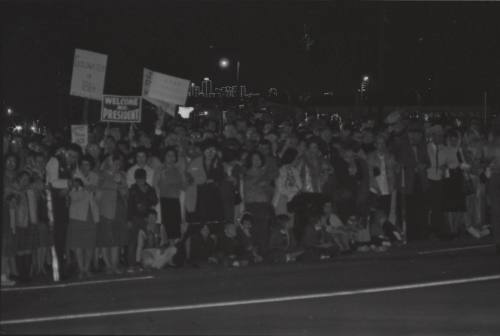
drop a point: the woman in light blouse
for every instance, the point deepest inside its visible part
(170, 182)
(112, 199)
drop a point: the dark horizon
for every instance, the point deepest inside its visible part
(440, 53)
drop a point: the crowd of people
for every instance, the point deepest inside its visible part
(248, 191)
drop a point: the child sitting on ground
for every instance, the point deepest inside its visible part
(202, 247)
(282, 244)
(152, 249)
(235, 244)
(334, 227)
(359, 233)
(316, 241)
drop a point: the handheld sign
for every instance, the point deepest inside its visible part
(89, 70)
(121, 109)
(165, 88)
(80, 135)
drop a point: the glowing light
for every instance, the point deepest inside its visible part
(206, 79)
(10, 111)
(18, 128)
(223, 62)
(366, 78)
(33, 128)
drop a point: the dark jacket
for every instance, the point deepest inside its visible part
(405, 156)
(139, 202)
(281, 240)
(202, 248)
(313, 238)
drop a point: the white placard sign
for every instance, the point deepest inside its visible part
(164, 88)
(89, 71)
(80, 135)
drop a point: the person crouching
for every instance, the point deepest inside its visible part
(235, 244)
(152, 249)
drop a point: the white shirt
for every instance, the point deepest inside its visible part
(434, 172)
(52, 174)
(382, 182)
(450, 156)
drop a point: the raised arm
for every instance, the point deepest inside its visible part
(52, 170)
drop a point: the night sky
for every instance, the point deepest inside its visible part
(446, 54)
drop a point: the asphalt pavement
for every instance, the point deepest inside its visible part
(429, 288)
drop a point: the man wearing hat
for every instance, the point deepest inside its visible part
(410, 151)
(435, 176)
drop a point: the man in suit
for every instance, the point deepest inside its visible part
(408, 145)
(435, 175)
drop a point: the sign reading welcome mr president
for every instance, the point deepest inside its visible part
(121, 109)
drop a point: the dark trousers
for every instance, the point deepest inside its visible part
(436, 221)
(61, 220)
(416, 216)
(171, 216)
(494, 196)
(262, 214)
(133, 234)
(382, 203)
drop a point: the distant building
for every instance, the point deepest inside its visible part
(243, 90)
(191, 90)
(228, 91)
(273, 92)
(206, 87)
(196, 91)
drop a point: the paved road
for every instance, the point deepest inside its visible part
(454, 309)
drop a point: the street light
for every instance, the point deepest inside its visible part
(364, 83)
(224, 64)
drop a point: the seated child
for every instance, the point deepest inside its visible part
(338, 233)
(359, 233)
(152, 250)
(282, 244)
(235, 244)
(202, 246)
(363, 238)
(316, 241)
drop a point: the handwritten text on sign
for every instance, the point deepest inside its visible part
(165, 88)
(80, 135)
(89, 71)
